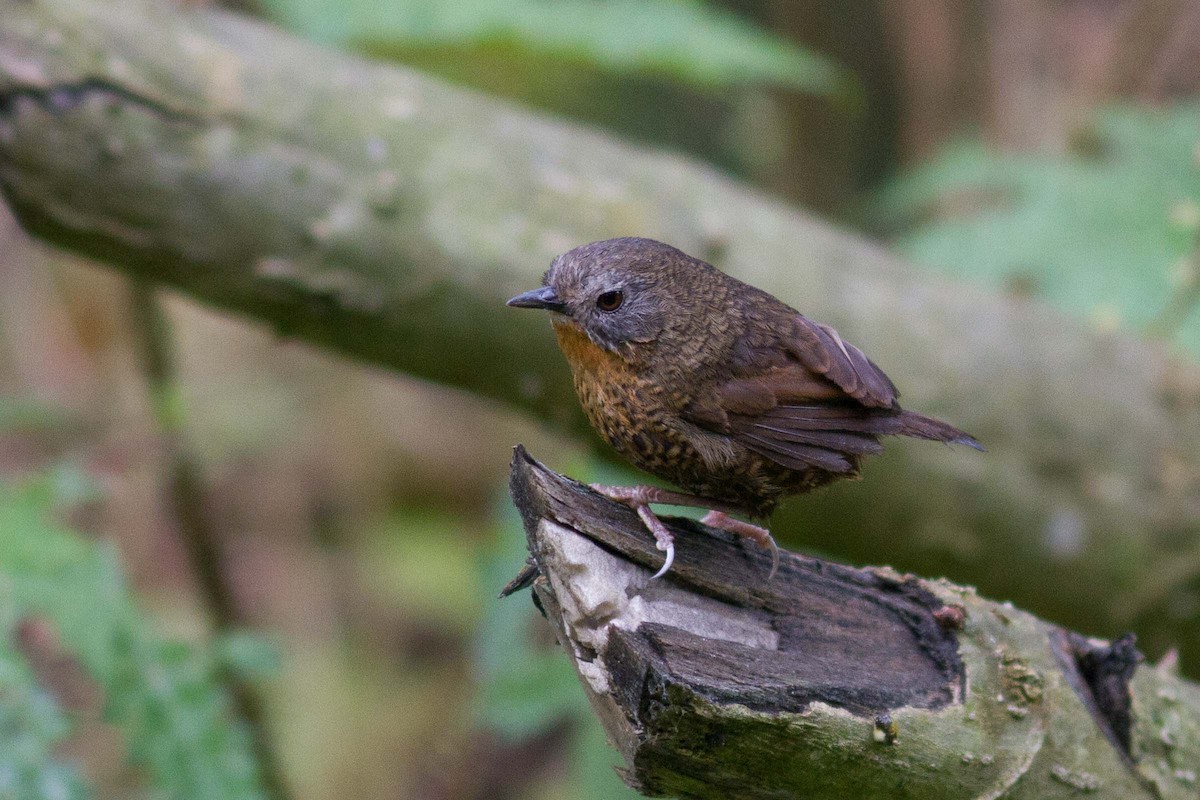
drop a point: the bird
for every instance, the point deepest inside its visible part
(714, 385)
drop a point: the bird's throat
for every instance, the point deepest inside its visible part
(581, 352)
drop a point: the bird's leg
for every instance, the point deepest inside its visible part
(719, 519)
(639, 498)
(644, 495)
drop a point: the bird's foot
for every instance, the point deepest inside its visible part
(663, 538)
(762, 536)
(639, 498)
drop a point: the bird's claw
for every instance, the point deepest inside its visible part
(663, 538)
(670, 559)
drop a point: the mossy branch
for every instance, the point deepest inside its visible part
(834, 682)
(388, 215)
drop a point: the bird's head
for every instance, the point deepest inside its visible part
(619, 292)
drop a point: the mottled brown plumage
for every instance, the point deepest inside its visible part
(714, 385)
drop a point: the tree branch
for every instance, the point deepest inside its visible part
(387, 215)
(834, 682)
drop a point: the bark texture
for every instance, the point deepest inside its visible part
(835, 682)
(387, 215)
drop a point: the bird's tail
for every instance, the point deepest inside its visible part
(923, 427)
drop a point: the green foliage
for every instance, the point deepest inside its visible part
(525, 688)
(164, 695)
(679, 39)
(1102, 231)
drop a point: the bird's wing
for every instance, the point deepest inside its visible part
(822, 350)
(804, 398)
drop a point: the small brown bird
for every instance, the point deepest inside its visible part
(714, 385)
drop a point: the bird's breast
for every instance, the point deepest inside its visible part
(632, 413)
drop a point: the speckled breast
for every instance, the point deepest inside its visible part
(627, 410)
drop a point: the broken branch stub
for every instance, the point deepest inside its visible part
(830, 681)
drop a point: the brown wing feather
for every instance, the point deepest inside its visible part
(799, 456)
(859, 444)
(812, 401)
(831, 437)
(821, 349)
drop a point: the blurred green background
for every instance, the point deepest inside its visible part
(1048, 149)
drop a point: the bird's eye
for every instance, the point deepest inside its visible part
(610, 301)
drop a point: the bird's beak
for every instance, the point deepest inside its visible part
(538, 298)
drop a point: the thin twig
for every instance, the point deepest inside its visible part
(185, 498)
